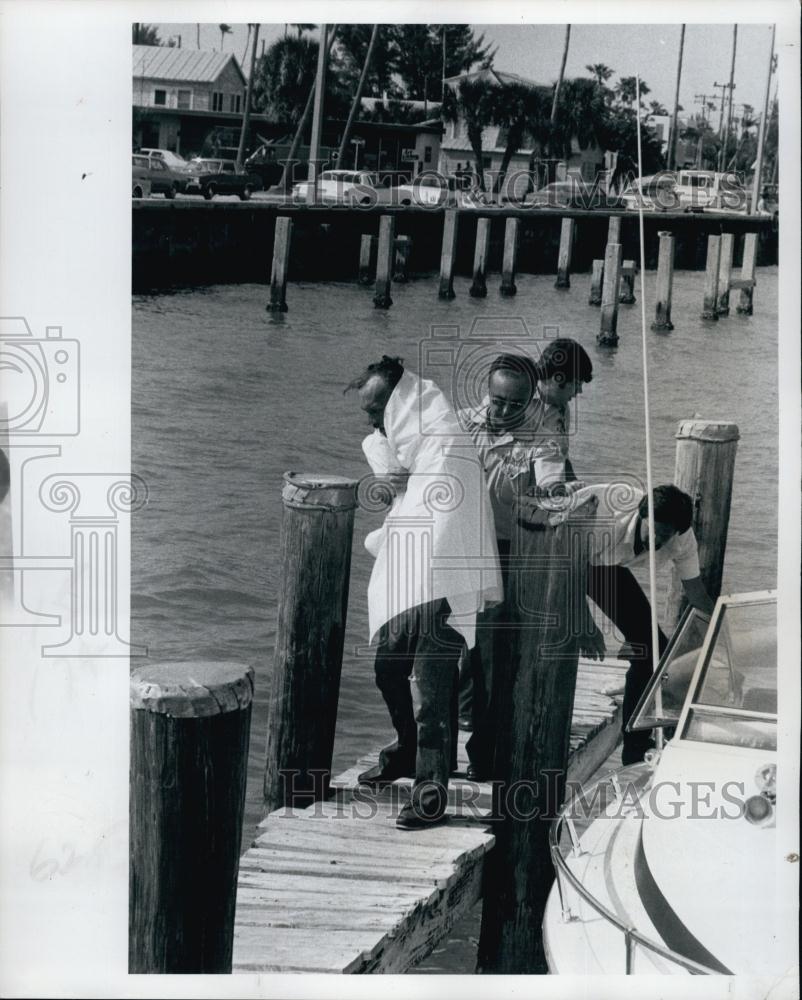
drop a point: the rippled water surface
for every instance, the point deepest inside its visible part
(226, 398)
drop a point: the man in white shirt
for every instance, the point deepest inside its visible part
(619, 542)
(436, 568)
(521, 434)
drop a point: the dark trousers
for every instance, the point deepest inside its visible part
(416, 672)
(479, 661)
(617, 593)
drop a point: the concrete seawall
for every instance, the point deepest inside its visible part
(188, 243)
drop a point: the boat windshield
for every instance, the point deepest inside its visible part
(663, 699)
(735, 699)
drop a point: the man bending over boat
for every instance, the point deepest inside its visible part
(619, 542)
(436, 568)
(521, 434)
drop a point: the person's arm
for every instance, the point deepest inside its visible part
(697, 595)
(591, 641)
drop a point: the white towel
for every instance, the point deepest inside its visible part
(437, 540)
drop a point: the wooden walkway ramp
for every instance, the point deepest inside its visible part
(336, 887)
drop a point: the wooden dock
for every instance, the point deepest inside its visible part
(336, 887)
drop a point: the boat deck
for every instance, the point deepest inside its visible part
(336, 887)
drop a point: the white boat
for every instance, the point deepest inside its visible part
(676, 870)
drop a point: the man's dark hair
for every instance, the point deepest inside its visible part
(390, 369)
(671, 506)
(566, 360)
(516, 364)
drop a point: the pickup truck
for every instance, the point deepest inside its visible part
(211, 177)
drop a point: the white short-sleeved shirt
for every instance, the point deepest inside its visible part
(616, 523)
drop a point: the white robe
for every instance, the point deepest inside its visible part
(437, 540)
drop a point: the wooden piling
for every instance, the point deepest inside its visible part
(564, 255)
(626, 295)
(614, 229)
(608, 328)
(508, 287)
(384, 263)
(314, 569)
(704, 468)
(367, 259)
(596, 278)
(725, 275)
(403, 251)
(535, 697)
(481, 250)
(448, 254)
(280, 268)
(710, 305)
(744, 306)
(190, 724)
(665, 282)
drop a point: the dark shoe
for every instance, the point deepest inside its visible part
(475, 773)
(418, 817)
(387, 772)
(635, 754)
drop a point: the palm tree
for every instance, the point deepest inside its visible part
(581, 115)
(301, 28)
(225, 29)
(562, 73)
(471, 102)
(600, 71)
(520, 110)
(625, 90)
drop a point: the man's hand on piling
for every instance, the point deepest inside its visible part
(591, 642)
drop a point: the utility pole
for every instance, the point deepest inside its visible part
(722, 87)
(702, 99)
(761, 139)
(317, 117)
(731, 87)
(672, 141)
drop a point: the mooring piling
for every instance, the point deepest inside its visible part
(608, 327)
(403, 251)
(315, 566)
(479, 285)
(596, 278)
(384, 263)
(564, 255)
(710, 305)
(535, 695)
(626, 295)
(614, 229)
(509, 262)
(448, 254)
(367, 259)
(281, 258)
(190, 724)
(746, 283)
(665, 282)
(725, 275)
(704, 469)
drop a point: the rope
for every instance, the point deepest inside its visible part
(658, 706)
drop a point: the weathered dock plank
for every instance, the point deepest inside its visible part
(336, 887)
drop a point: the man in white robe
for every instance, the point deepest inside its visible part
(436, 569)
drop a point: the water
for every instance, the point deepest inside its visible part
(226, 398)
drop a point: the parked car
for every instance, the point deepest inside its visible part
(171, 160)
(140, 183)
(702, 190)
(349, 187)
(163, 180)
(657, 193)
(573, 193)
(211, 177)
(663, 880)
(427, 190)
